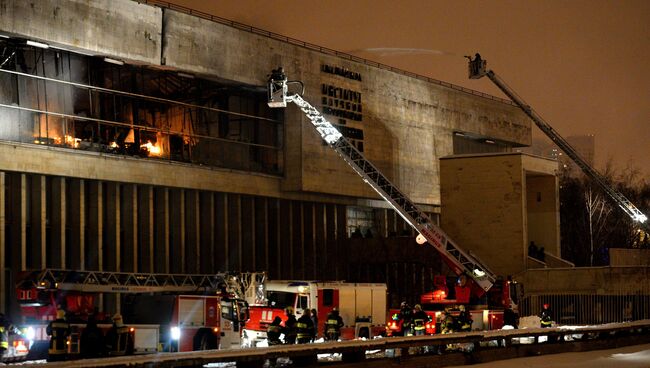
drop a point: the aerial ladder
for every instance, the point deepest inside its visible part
(478, 69)
(460, 261)
(246, 286)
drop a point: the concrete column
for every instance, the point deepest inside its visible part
(95, 216)
(206, 225)
(112, 249)
(129, 226)
(146, 229)
(162, 230)
(247, 233)
(233, 228)
(58, 222)
(221, 260)
(3, 273)
(76, 213)
(18, 246)
(38, 220)
(177, 230)
(192, 232)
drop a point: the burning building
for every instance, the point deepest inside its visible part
(126, 145)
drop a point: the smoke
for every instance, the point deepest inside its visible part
(396, 51)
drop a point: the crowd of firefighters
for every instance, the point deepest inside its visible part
(92, 343)
(119, 340)
(304, 329)
(413, 321)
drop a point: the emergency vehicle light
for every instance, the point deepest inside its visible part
(30, 333)
(176, 333)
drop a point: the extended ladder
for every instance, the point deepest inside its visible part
(460, 261)
(138, 282)
(478, 69)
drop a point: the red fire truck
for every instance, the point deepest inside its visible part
(165, 312)
(362, 307)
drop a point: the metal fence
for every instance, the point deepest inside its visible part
(581, 309)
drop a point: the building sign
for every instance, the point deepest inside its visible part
(344, 104)
(343, 72)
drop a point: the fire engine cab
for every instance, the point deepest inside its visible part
(361, 305)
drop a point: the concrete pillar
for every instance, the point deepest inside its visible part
(37, 255)
(112, 249)
(261, 220)
(221, 260)
(177, 230)
(3, 273)
(95, 216)
(247, 233)
(146, 229)
(129, 227)
(207, 228)
(18, 246)
(162, 230)
(233, 228)
(58, 222)
(76, 214)
(192, 232)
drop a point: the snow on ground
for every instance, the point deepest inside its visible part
(636, 356)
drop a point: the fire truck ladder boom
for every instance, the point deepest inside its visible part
(126, 282)
(459, 260)
(478, 69)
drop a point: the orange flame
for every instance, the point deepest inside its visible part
(154, 150)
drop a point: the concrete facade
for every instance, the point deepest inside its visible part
(496, 204)
(110, 212)
(122, 29)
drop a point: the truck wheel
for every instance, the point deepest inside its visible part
(204, 340)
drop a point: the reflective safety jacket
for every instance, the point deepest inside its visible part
(420, 319)
(465, 322)
(4, 338)
(290, 330)
(305, 329)
(119, 341)
(273, 334)
(333, 323)
(59, 330)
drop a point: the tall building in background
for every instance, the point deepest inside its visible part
(136, 138)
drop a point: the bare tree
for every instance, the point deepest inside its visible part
(598, 211)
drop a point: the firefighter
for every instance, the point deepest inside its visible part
(406, 315)
(305, 327)
(92, 340)
(333, 325)
(510, 318)
(546, 319)
(6, 327)
(58, 330)
(464, 320)
(274, 331)
(118, 339)
(290, 331)
(314, 321)
(420, 318)
(447, 324)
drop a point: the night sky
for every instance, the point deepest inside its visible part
(584, 66)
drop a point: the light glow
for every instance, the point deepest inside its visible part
(176, 333)
(30, 333)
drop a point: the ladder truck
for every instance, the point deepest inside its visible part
(165, 312)
(460, 261)
(478, 69)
